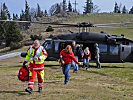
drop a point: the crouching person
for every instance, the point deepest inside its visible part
(66, 58)
(36, 55)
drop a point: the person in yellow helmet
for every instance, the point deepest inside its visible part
(36, 55)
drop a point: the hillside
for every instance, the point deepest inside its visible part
(92, 18)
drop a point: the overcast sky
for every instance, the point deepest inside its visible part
(15, 6)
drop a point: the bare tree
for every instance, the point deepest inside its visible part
(32, 13)
(55, 9)
(96, 9)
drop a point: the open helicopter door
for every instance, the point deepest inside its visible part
(91, 49)
(64, 43)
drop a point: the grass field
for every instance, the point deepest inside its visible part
(112, 82)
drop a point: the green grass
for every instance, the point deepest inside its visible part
(112, 82)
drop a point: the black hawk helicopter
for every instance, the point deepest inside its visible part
(113, 48)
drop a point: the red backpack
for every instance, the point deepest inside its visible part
(23, 74)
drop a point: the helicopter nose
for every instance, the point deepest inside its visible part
(23, 54)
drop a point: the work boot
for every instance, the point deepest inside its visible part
(65, 83)
(86, 68)
(40, 89)
(29, 90)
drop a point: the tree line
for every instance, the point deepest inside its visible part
(10, 31)
(123, 10)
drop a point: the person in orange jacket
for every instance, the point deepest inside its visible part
(66, 58)
(36, 55)
(86, 58)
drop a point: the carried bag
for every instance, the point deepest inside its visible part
(23, 74)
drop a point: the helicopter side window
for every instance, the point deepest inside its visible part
(103, 48)
(48, 45)
(114, 50)
(125, 43)
(56, 46)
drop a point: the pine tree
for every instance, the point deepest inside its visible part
(4, 15)
(88, 7)
(14, 17)
(119, 8)
(64, 6)
(25, 16)
(8, 30)
(124, 10)
(39, 12)
(69, 6)
(131, 10)
(116, 8)
(27, 12)
(12, 34)
(45, 13)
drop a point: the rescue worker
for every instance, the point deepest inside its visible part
(86, 58)
(36, 55)
(97, 56)
(74, 65)
(66, 58)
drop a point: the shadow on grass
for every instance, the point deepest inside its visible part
(52, 66)
(52, 82)
(92, 66)
(95, 72)
(14, 92)
(17, 66)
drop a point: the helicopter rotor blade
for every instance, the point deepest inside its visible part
(52, 23)
(15, 21)
(83, 24)
(60, 26)
(97, 27)
(107, 27)
(122, 23)
(37, 22)
(114, 27)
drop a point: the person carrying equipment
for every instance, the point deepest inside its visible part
(36, 55)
